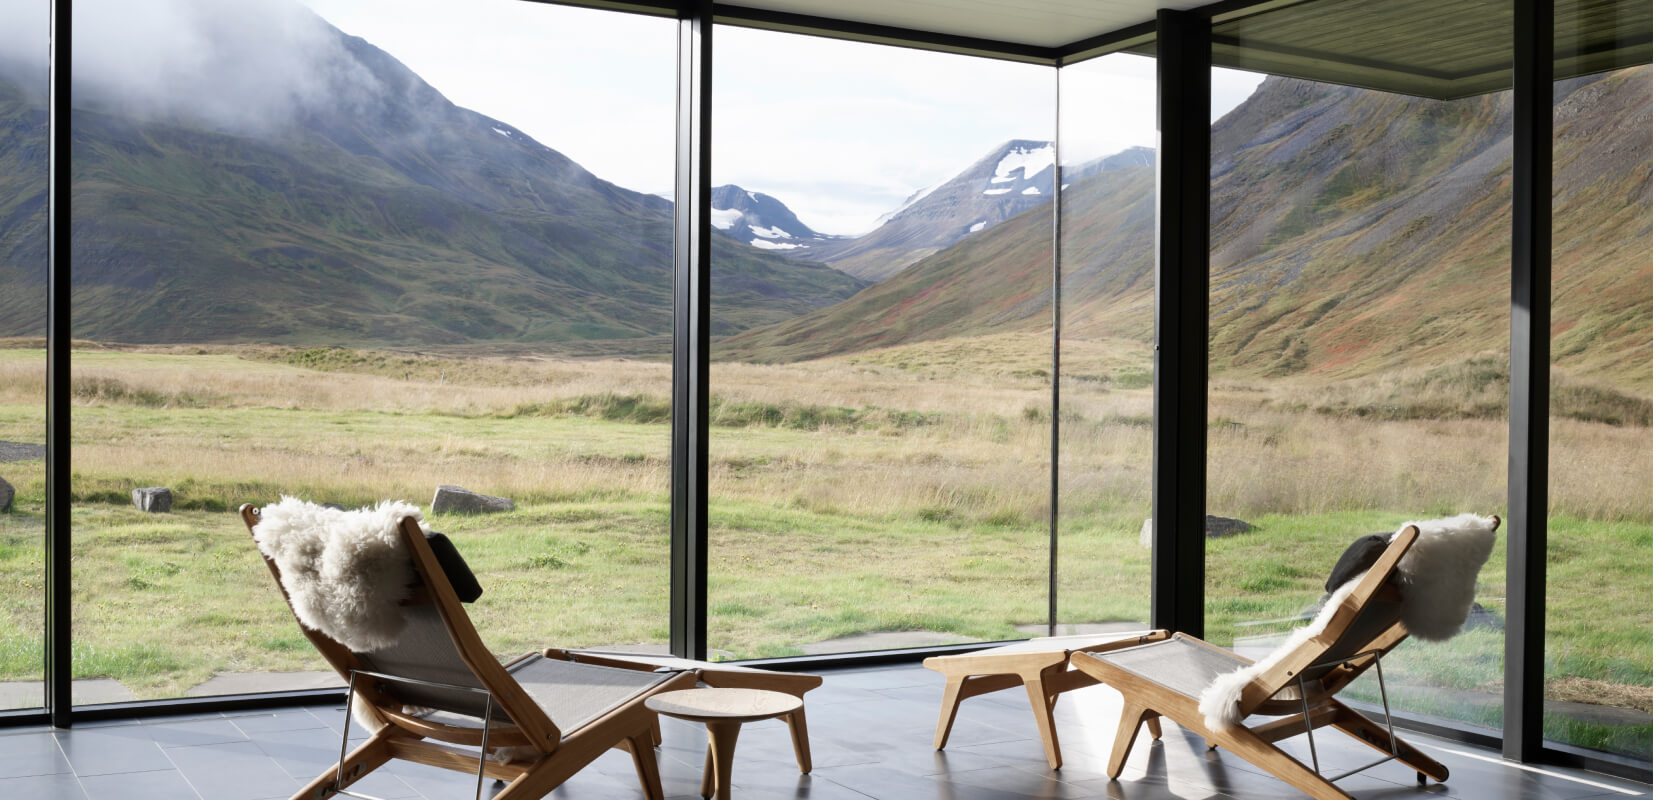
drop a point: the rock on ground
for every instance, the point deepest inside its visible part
(454, 499)
(1214, 527)
(155, 499)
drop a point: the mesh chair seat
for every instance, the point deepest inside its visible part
(571, 693)
(1179, 664)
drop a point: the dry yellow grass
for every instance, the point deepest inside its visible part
(983, 449)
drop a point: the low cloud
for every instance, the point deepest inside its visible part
(250, 66)
(25, 37)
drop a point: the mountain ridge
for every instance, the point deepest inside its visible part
(1331, 207)
(397, 219)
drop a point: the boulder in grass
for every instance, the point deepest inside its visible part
(1220, 527)
(454, 499)
(1213, 527)
(155, 499)
(7, 493)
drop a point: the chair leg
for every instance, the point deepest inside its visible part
(1041, 704)
(1374, 735)
(655, 731)
(946, 715)
(366, 758)
(644, 760)
(1245, 744)
(801, 740)
(1153, 723)
(1126, 732)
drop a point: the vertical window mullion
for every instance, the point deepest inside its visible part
(1526, 577)
(59, 665)
(691, 278)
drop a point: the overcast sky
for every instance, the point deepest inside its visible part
(841, 132)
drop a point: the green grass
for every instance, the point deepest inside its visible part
(856, 505)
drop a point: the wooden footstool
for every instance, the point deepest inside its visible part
(1041, 665)
(724, 711)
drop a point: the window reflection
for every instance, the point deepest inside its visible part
(349, 253)
(23, 267)
(882, 282)
(1358, 358)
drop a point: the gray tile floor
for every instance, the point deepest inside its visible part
(871, 733)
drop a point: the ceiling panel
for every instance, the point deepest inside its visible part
(1037, 23)
(1432, 48)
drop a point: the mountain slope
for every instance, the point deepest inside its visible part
(1352, 232)
(1009, 180)
(377, 213)
(23, 230)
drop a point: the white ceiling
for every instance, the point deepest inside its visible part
(1042, 23)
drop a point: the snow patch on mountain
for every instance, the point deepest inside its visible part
(1030, 160)
(977, 226)
(996, 191)
(1031, 190)
(507, 134)
(765, 244)
(724, 218)
(772, 232)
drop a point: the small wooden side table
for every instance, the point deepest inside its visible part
(723, 711)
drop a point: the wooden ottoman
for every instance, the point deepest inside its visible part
(1041, 665)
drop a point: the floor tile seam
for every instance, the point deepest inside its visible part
(181, 773)
(260, 746)
(72, 776)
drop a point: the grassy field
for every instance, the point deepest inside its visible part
(896, 490)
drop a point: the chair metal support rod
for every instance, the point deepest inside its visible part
(345, 736)
(1305, 705)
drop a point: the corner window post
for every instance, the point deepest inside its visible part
(1179, 488)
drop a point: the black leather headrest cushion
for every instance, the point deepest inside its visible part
(454, 567)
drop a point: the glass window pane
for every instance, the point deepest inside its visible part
(880, 442)
(24, 45)
(354, 254)
(1108, 329)
(1598, 643)
(1359, 331)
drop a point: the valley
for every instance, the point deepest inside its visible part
(378, 296)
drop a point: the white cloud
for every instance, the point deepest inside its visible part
(1109, 105)
(25, 31)
(843, 132)
(251, 66)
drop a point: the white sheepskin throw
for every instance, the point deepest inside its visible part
(1437, 578)
(344, 571)
(1439, 575)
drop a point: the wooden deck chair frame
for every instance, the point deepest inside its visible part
(1310, 669)
(630, 727)
(1041, 666)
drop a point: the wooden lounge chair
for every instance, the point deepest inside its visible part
(1167, 678)
(532, 722)
(1041, 666)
